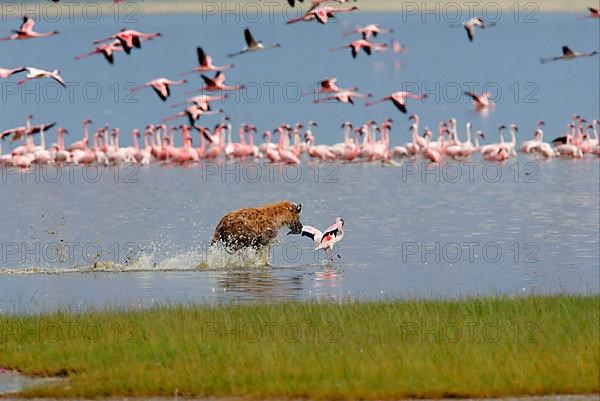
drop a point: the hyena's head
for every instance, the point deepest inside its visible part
(293, 221)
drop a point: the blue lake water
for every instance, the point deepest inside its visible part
(132, 236)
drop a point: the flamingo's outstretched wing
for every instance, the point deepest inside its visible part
(399, 105)
(249, 38)
(470, 32)
(208, 80)
(311, 232)
(567, 51)
(201, 56)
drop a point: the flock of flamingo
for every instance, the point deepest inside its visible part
(367, 142)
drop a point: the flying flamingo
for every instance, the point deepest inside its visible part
(326, 240)
(162, 87)
(26, 31)
(205, 64)
(216, 84)
(472, 24)
(369, 30)
(20, 132)
(252, 45)
(193, 113)
(202, 101)
(320, 14)
(36, 73)
(328, 85)
(345, 96)
(399, 99)
(130, 38)
(107, 50)
(363, 44)
(482, 101)
(7, 72)
(315, 3)
(568, 54)
(594, 13)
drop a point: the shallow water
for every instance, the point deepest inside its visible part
(130, 236)
(435, 233)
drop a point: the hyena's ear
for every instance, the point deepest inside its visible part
(296, 207)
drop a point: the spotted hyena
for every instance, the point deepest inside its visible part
(257, 227)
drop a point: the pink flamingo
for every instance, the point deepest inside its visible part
(363, 44)
(321, 14)
(317, 151)
(529, 146)
(328, 85)
(162, 87)
(216, 84)
(342, 148)
(594, 13)
(202, 101)
(351, 153)
(217, 140)
(193, 113)
(269, 151)
(417, 143)
(434, 154)
(499, 156)
(82, 144)
(398, 99)
(130, 38)
(285, 155)
(205, 64)
(107, 50)
(42, 156)
(8, 72)
(345, 96)
(482, 101)
(369, 30)
(26, 31)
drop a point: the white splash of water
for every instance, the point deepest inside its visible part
(213, 258)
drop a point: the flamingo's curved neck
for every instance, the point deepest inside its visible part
(136, 145)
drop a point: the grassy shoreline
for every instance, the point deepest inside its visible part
(492, 347)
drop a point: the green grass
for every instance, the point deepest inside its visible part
(353, 350)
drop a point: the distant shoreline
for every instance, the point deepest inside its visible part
(251, 7)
